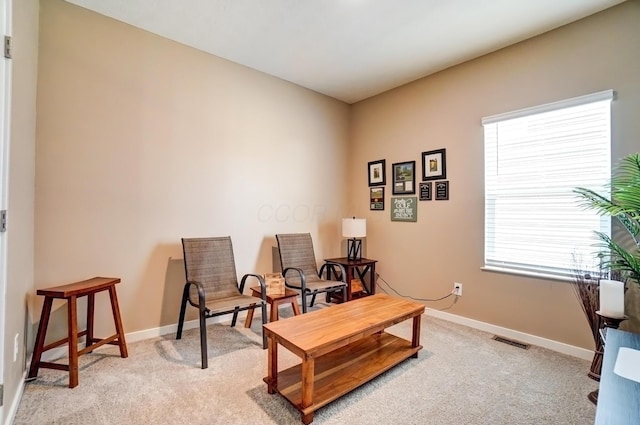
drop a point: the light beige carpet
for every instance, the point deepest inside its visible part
(461, 376)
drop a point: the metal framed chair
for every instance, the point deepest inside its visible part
(212, 286)
(300, 269)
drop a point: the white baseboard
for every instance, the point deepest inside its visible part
(13, 407)
(581, 353)
(172, 329)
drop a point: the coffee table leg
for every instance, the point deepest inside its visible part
(415, 339)
(308, 366)
(272, 360)
(307, 419)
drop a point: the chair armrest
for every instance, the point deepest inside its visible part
(201, 298)
(331, 265)
(263, 289)
(303, 278)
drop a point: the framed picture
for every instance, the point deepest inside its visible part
(442, 191)
(404, 208)
(434, 165)
(425, 191)
(376, 196)
(377, 173)
(404, 178)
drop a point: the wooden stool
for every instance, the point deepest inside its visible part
(71, 292)
(274, 301)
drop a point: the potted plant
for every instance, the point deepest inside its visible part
(624, 205)
(619, 259)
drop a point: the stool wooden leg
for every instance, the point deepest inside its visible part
(72, 329)
(42, 332)
(90, 315)
(296, 309)
(115, 308)
(249, 318)
(274, 311)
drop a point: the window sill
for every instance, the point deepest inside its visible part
(535, 275)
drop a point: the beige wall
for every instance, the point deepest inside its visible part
(142, 141)
(20, 231)
(444, 110)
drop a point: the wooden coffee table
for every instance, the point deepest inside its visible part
(341, 347)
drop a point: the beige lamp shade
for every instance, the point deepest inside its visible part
(354, 227)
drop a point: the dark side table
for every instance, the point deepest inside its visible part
(354, 269)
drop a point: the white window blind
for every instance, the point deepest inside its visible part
(534, 158)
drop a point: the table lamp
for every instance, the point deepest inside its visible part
(354, 228)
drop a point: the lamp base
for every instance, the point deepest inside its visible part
(354, 249)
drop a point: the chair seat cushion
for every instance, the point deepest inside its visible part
(324, 284)
(229, 303)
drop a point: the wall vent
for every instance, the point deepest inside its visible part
(511, 342)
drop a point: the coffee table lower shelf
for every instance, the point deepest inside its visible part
(345, 369)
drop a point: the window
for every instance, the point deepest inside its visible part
(534, 158)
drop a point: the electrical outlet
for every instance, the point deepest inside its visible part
(457, 289)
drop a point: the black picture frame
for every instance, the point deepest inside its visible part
(376, 198)
(426, 191)
(377, 173)
(404, 178)
(442, 191)
(434, 165)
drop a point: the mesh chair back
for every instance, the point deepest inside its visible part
(210, 261)
(296, 250)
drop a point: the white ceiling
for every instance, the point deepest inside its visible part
(348, 49)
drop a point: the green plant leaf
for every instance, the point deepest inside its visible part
(624, 206)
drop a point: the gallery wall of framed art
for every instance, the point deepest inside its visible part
(432, 185)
